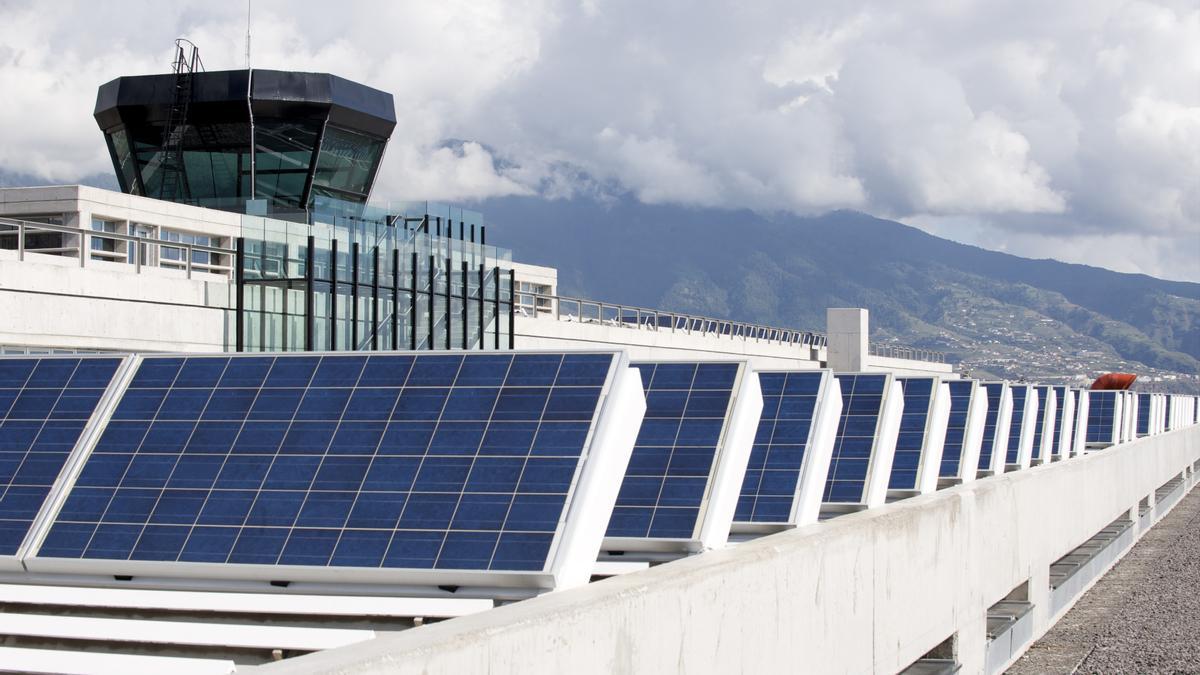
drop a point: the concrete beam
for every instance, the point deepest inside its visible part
(867, 592)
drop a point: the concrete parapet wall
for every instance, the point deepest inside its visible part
(867, 592)
(50, 301)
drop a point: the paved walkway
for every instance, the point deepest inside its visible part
(1141, 617)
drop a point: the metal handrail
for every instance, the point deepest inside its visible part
(23, 227)
(641, 318)
(897, 351)
(566, 308)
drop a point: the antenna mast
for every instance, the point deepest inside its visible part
(248, 2)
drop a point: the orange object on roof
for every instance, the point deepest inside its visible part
(1114, 381)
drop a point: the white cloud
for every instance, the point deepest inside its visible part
(1069, 128)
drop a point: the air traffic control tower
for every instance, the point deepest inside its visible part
(187, 136)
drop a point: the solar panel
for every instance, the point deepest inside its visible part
(681, 486)
(861, 465)
(1104, 416)
(1021, 427)
(995, 428)
(1167, 415)
(1144, 414)
(920, 442)
(792, 448)
(1063, 413)
(422, 467)
(45, 406)
(964, 431)
(1043, 425)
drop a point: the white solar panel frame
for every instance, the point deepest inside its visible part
(1064, 431)
(814, 468)
(732, 456)
(1047, 408)
(1003, 423)
(572, 552)
(1129, 419)
(1079, 433)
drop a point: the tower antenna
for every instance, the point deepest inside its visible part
(248, 8)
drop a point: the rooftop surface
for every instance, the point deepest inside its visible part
(1141, 617)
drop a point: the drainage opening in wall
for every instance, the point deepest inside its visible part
(941, 660)
(1009, 628)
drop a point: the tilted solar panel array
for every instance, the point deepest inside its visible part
(300, 465)
(1144, 414)
(1019, 425)
(918, 401)
(1079, 425)
(995, 427)
(1061, 444)
(959, 431)
(792, 447)
(1103, 417)
(669, 491)
(1043, 424)
(45, 404)
(865, 441)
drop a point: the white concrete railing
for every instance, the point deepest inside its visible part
(868, 592)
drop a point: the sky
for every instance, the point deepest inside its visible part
(1066, 129)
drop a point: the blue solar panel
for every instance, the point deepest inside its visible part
(1019, 394)
(1039, 423)
(687, 405)
(784, 431)
(956, 427)
(45, 403)
(1167, 403)
(995, 396)
(1102, 410)
(1077, 438)
(1061, 433)
(918, 401)
(431, 461)
(1143, 415)
(862, 405)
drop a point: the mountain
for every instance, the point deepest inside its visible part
(995, 313)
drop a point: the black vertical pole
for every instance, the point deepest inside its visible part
(461, 226)
(466, 337)
(482, 307)
(395, 299)
(449, 302)
(354, 297)
(239, 282)
(375, 302)
(333, 295)
(512, 309)
(310, 302)
(496, 305)
(432, 299)
(412, 329)
(482, 236)
(472, 233)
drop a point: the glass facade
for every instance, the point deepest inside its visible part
(417, 276)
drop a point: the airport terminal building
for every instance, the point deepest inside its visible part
(255, 418)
